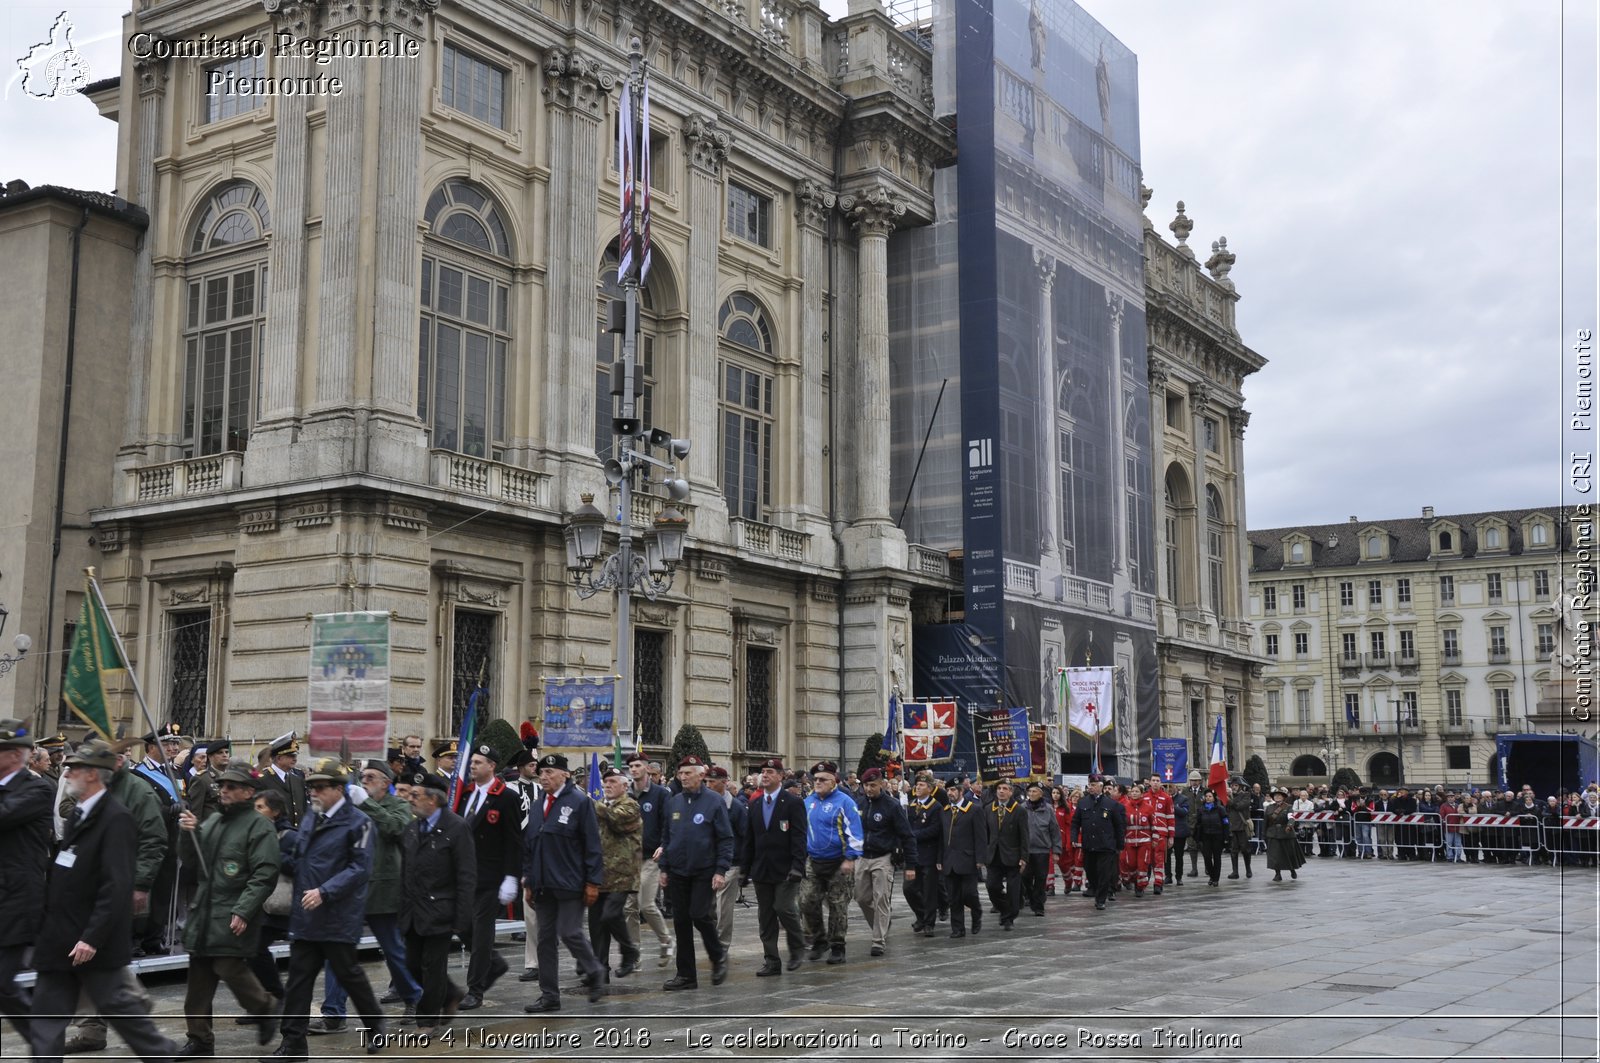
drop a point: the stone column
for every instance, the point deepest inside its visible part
(395, 445)
(1158, 466)
(813, 205)
(873, 214)
(708, 145)
(1238, 420)
(1199, 399)
(1049, 461)
(1115, 305)
(343, 210)
(152, 77)
(575, 89)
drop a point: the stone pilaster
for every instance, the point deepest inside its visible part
(1238, 420)
(1115, 305)
(343, 208)
(1200, 399)
(152, 75)
(575, 89)
(707, 145)
(1048, 460)
(1158, 464)
(813, 206)
(874, 540)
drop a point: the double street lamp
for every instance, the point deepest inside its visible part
(23, 643)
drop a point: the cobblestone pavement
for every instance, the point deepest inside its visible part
(1365, 961)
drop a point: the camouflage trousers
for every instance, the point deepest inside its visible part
(834, 891)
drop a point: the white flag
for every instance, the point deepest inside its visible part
(1089, 700)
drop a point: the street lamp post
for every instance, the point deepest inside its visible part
(1399, 743)
(23, 643)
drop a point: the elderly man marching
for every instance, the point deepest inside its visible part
(696, 852)
(238, 868)
(833, 845)
(436, 895)
(886, 831)
(620, 830)
(776, 843)
(562, 869)
(641, 906)
(720, 783)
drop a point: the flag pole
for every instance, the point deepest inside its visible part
(122, 651)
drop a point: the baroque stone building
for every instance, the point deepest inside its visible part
(1413, 643)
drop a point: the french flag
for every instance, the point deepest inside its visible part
(1217, 778)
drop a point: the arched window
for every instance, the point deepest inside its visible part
(464, 350)
(1297, 553)
(1446, 543)
(608, 350)
(1216, 565)
(1374, 546)
(1178, 533)
(1540, 534)
(1491, 538)
(224, 319)
(748, 378)
(1383, 769)
(1308, 765)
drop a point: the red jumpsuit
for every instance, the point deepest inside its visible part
(1135, 860)
(1069, 861)
(1161, 830)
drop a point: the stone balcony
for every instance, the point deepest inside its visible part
(213, 474)
(1296, 732)
(488, 479)
(758, 537)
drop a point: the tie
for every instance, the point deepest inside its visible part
(477, 803)
(73, 819)
(549, 799)
(767, 814)
(425, 827)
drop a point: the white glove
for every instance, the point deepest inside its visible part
(508, 889)
(358, 794)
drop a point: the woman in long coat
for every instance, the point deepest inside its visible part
(1283, 850)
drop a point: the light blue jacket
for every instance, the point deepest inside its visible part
(833, 827)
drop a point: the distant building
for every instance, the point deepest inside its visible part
(1417, 639)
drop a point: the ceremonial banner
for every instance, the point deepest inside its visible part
(1169, 759)
(928, 732)
(1039, 750)
(1001, 737)
(348, 689)
(93, 658)
(1089, 700)
(579, 713)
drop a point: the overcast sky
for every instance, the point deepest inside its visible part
(1389, 175)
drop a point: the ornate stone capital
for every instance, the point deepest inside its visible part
(813, 204)
(873, 212)
(1115, 306)
(301, 19)
(1238, 421)
(1045, 263)
(709, 144)
(1201, 394)
(1158, 374)
(577, 82)
(153, 71)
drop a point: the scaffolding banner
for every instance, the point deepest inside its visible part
(579, 713)
(348, 691)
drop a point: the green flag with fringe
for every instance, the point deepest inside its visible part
(92, 659)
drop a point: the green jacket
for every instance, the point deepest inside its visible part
(621, 831)
(391, 816)
(135, 794)
(239, 873)
(1239, 809)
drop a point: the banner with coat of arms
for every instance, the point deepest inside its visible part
(927, 732)
(348, 684)
(579, 713)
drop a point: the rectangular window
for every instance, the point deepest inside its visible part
(1269, 600)
(189, 685)
(1408, 645)
(472, 645)
(1497, 642)
(758, 687)
(461, 360)
(1172, 556)
(1217, 571)
(1496, 590)
(219, 376)
(1447, 590)
(1375, 593)
(473, 86)
(1408, 708)
(649, 686)
(1302, 705)
(1458, 758)
(749, 214)
(1452, 708)
(1350, 648)
(1547, 639)
(1541, 584)
(1213, 433)
(219, 88)
(1347, 595)
(1352, 709)
(1271, 645)
(747, 423)
(1402, 591)
(1451, 642)
(1175, 412)
(1502, 705)
(1302, 645)
(1298, 594)
(1377, 642)
(1274, 709)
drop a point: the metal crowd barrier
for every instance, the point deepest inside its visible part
(1577, 835)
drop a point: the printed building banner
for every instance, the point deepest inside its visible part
(348, 688)
(1001, 737)
(1169, 759)
(928, 732)
(579, 713)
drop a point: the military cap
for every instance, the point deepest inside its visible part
(393, 753)
(519, 758)
(691, 761)
(1237, 780)
(487, 751)
(608, 771)
(55, 741)
(824, 767)
(238, 773)
(201, 747)
(636, 757)
(529, 735)
(122, 745)
(445, 749)
(872, 775)
(326, 770)
(553, 760)
(286, 744)
(429, 781)
(381, 766)
(716, 771)
(14, 735)
(92, 754)
(219, 745)
(1195, 776)
(775, 763)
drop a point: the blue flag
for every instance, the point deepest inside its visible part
(891, 733)
(595, 789)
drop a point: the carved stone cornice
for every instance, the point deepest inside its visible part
(407, 14)
(813, 204)
(577, 82)
(874, 211)
(709, 144)
(301, 19)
